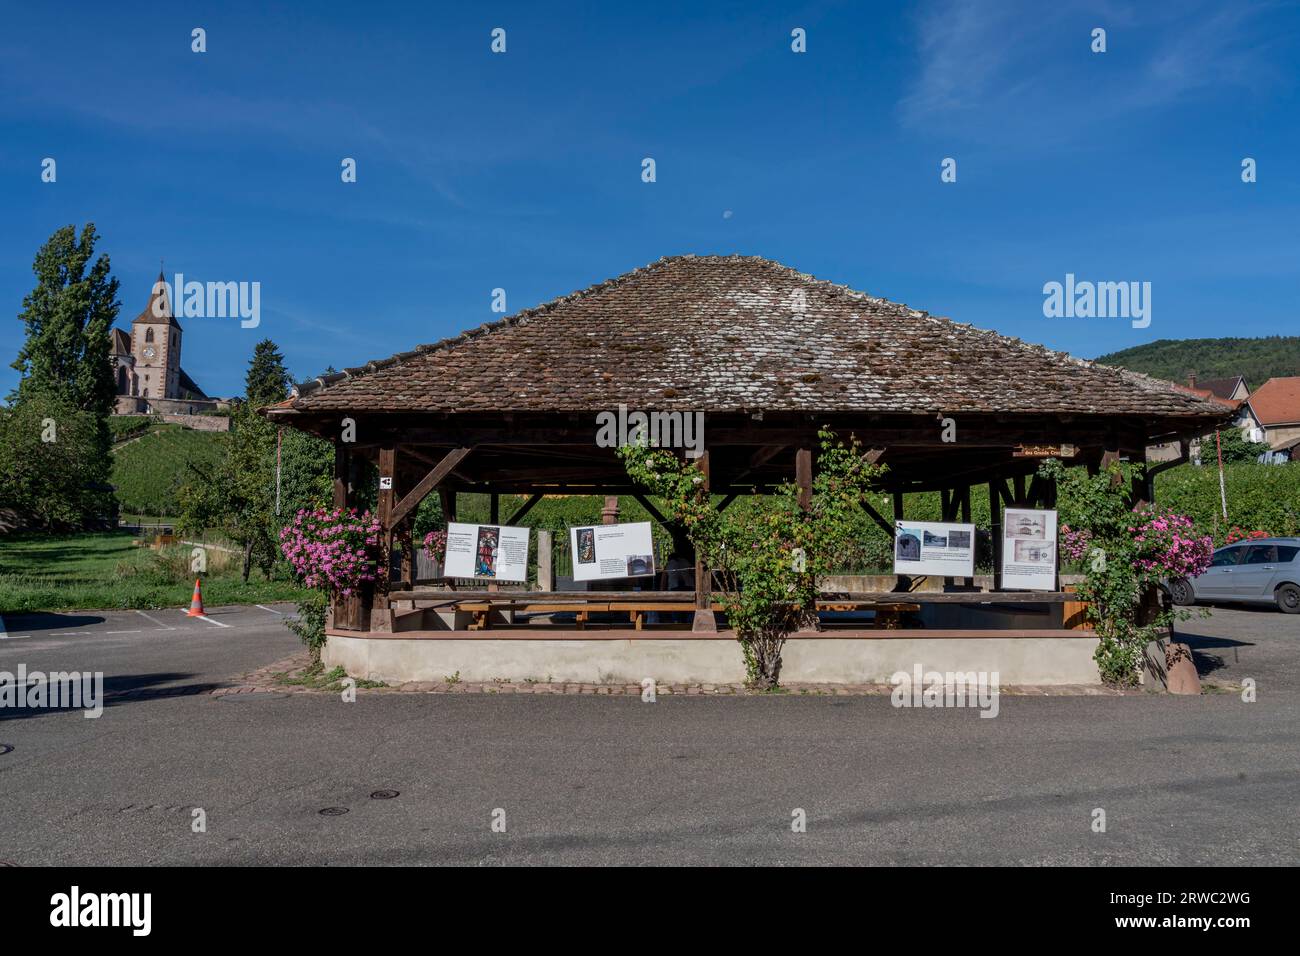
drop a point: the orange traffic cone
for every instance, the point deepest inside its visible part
(196, 603)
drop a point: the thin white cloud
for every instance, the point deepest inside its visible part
(1001, 71)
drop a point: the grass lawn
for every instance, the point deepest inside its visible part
(104, 570)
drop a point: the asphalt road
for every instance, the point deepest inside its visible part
(1208, 780)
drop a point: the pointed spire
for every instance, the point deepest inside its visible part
(159, 308)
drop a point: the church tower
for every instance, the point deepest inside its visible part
(156, 345)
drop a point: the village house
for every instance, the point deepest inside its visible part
(1273, 412)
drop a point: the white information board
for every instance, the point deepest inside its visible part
(489, 552)
(934, 547)
(1029, 549)
(606, 551)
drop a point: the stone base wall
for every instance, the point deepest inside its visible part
(618, 660)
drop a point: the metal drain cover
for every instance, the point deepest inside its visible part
(384, 795)
(333, 811)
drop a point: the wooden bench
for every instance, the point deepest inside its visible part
(482, 610)
(638, 609)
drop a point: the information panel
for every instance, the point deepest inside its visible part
(1029, 549)
(488, 552)
(934, 547)
(606, 551)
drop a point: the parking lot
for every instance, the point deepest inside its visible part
(612, 780)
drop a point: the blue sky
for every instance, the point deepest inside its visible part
(523, 170)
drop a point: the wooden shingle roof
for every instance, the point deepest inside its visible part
(738, 333)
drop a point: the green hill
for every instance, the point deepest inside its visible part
(1173, 359)
(148, 470)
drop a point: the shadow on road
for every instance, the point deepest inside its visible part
(117, 690)
(50, 621)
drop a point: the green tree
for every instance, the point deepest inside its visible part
(1234, 446)
(50, 470)
(68, 317)
(66, 387)
(237, 497)
(267, 381)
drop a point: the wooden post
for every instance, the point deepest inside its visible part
(381, 618)
(448, 499)
(995, 529)
(494, 517)
(342, 476)
(336, 614)
(704, 621)
(965, 517)
(545, 564)
(803, 476)
(1140, 490)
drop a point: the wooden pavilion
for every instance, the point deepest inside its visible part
(768, 355)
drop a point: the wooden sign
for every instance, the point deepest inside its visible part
(1044, 451)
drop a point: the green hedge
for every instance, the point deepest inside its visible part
(1260, 497)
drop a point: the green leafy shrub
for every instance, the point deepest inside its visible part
(766, 558)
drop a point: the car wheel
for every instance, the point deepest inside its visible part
(1288, 599)
(1181, 593)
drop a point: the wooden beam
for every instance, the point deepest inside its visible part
(448, 504)
(758, 460)
(494, 508)
(725, 503)
(427, 483)
(878, 518)
(644, 502)
(523, 509)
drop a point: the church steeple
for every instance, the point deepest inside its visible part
(159, 309)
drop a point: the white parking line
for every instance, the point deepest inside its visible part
(271, 609)
(210, 621)
(155, 621)
(122, 632)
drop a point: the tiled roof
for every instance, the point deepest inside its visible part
(738, 333)
(164, 310)
(119, 342)
(1277, 401)
(1222, 387)
(1209, 395)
